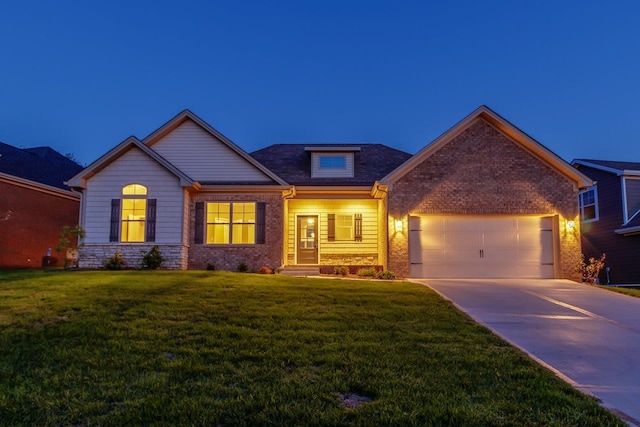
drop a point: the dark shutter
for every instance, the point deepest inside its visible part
(151, 220)
(199, 226)
(260, 223)
(331, 227)
(115, 220)
(357, 228)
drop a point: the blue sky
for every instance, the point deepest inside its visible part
(81, 76)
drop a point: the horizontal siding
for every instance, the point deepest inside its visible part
(134, 167)
(204, 158)
(368, 209)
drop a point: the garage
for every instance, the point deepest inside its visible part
(481, 247)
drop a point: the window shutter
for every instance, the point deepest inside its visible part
(199, 226)
(115, 220)
(331, 227)
(151, 220)
(357, 227)
(260, 223)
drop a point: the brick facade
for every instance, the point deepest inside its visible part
(483, 172)
(227, 257)
(34, 225)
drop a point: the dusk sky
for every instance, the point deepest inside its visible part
(82, 76)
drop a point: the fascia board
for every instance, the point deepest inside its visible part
(37, 186)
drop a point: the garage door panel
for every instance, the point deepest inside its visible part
(482, 247)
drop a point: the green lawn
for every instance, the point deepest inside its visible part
(627, 291)
(213, 348)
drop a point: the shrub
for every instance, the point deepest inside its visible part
(115, 262)
(591, 270)
(210, 266)
(151, 260)
(385, 275)
(266, 270)
(341, 270)
(242, 267)
(367, 272)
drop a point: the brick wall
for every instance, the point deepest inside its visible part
(227, 257)
(483, 172)
(35, 223)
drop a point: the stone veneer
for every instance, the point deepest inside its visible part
(93, 256)
(227, 257)
(483, 172)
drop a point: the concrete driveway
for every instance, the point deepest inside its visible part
(590, 337)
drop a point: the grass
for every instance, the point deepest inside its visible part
(634, 292)
(215, 348)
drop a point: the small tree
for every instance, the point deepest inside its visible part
(69, 243)
(591, 270)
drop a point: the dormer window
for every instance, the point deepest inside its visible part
(332, 161)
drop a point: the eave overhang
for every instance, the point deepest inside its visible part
(37, 186)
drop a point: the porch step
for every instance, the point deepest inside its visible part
(300, 271)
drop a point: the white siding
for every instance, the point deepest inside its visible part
(133, 167)
(318, 172)
(204, 158)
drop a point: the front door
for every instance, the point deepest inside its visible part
(307, 242)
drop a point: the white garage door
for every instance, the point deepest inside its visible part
(481, 247)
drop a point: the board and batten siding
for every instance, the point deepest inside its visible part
(322, 208)
(134, 167)
(204, 158)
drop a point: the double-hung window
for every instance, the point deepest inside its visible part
(589, 205)
(231, 223)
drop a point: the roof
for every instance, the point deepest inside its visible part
(43, 165)
(292, 162)
(516, 135)
(612, 166)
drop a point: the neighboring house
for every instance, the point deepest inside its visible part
(34, 203)
(610, 217)
(483, 200)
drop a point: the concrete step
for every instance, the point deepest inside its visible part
(300, 271)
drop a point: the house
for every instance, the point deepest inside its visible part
(34, 203)
(610, 217)
(482, 200)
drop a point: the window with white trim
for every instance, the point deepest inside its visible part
(589, 205)
(133, 213)
(632, 197)
(334, 161)
(231, 223)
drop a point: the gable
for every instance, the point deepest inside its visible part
(205, 158)
(482, 171)
(509, 131)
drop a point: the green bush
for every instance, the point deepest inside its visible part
(151, 260)
(367, 272)
(385, 275)
(210, 266)
(341, 270)
(242, 267)
(115, 262)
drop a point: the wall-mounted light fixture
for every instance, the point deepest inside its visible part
(571, 225)
(398, 226)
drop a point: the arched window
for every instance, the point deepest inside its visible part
(133, 213)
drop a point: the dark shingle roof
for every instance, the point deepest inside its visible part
(40, 164)
(293, 164)
(614, 164)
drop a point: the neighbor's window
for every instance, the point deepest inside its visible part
(344, 227)
(589, 205)
(632, 193)
(333, 162)
(231, 222)
(133, 213)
